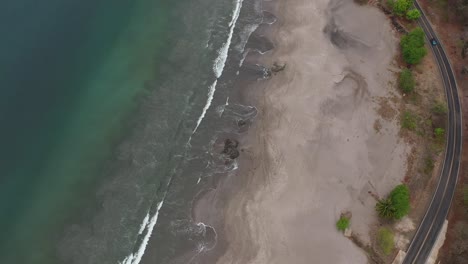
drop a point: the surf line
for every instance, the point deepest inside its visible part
(220, 63)
(218, 68)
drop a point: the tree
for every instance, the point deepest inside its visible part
(342, 223)
(412, 45)
(400, 7)
(384, 208)
(413, 14)
(406, 81)
(396, 205)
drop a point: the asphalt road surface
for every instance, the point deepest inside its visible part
(429, 229)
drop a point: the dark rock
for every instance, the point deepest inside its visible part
(230, 143)
(278, 67)
(230, 148)
(267, 73)
(241, 123)
(234, 153)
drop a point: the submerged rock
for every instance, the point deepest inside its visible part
(230, 148)
(241, 123)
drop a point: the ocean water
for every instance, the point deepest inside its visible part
(109, 111)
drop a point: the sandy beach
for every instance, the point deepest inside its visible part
(320, 145)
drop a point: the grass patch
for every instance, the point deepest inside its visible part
(439, 108)
(439, 133)
(406, 81)
(342, 223)
(408, 121)
(385, 240)
(437, 147)
(428, 165)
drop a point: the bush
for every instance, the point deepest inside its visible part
(428, 164)
(439, 108)
(413, 14)
(385, 208)
(406, 81)
(342, 223)
(396, 205)
(400, 7)
(439, 132)
(412, 45)
(408, 121)
(385, 240)
(400, 200)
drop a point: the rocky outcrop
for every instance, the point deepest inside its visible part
(277, 67)
(230, 148)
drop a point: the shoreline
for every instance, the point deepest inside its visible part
(263, 188)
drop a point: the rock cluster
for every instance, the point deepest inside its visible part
(230, 148)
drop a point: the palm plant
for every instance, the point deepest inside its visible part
(385, 208)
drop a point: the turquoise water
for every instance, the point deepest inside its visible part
(71, 73)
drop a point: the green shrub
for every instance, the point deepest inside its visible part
(412, 46)
(439, 108)
(396, 205)
(428, 164)
(406, 81)
(385, 240)
(439, 132)
(400, 198)
(342, 223)
(413, 14)
(408, 121)
(400, 7)
(385, 208)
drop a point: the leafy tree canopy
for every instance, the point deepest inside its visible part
(400, 7)
(413, 14)
(396, 205)
(412, 45)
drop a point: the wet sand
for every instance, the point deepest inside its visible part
(313, 151)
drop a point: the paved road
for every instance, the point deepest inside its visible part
(429, 229)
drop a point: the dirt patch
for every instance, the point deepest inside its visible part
(377, 125)
(385, 109)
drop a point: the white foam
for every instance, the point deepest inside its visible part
(136, 258)
(218, 68)
(144, 224)
(241, 62)
(244, 36)
(220, 61)
(211, 91)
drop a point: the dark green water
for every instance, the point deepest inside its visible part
(70, 76)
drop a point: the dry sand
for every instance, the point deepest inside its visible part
(314, 149)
